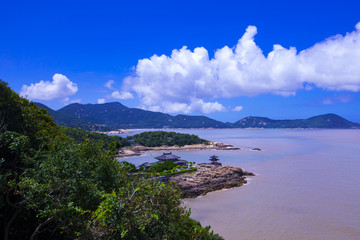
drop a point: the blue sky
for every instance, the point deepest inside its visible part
(59, 52)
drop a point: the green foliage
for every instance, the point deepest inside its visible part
(169, 172)
(24, 117)
(161, 138)
(67, 185)
(13, 148)
(146, 209)
(54, 187)
(112, 143)
(129, 167)
(162, 166)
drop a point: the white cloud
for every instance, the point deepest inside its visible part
(196, 106)
(60, 87)
(109, 84)
(101, 100)
(122, 95)
(208, 107)
(180, 82)
(67, 101)
(333, 64)
(237, 109)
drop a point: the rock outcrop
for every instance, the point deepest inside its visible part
(210, 178)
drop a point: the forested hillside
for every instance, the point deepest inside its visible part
(68, 120)
(52, 187)
(117, 116)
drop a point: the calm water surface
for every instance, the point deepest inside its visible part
(307, 184)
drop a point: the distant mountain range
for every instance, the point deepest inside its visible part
(110, 116)
(321, 121)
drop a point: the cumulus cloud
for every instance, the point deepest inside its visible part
(196, 106)
(121, 95)
(60, 87)
(109, 84)
(237, 109)
(180, 82)
(101, 100)
(333, 64)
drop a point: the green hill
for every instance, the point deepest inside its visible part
(115, 116)
(111, 116)
(72, 121)
(321, 121)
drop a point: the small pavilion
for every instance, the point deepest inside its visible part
(214, 160)
(168, 156)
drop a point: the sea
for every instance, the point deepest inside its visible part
(307, 184)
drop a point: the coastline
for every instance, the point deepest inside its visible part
(115, 132)
(140, 150)
(206, 178)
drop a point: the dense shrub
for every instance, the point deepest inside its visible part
(162, 166)
(107, 142)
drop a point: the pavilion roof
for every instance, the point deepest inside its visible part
(167, 156)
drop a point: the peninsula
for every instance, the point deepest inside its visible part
(139, 150)
(192, 179)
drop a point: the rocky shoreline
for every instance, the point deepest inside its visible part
(206, 178)
(139, 150)
(210, 178)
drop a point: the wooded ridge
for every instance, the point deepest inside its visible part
(112, 116)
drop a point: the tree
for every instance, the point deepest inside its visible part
(54, 187)
(146, 209)
(159, 138)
